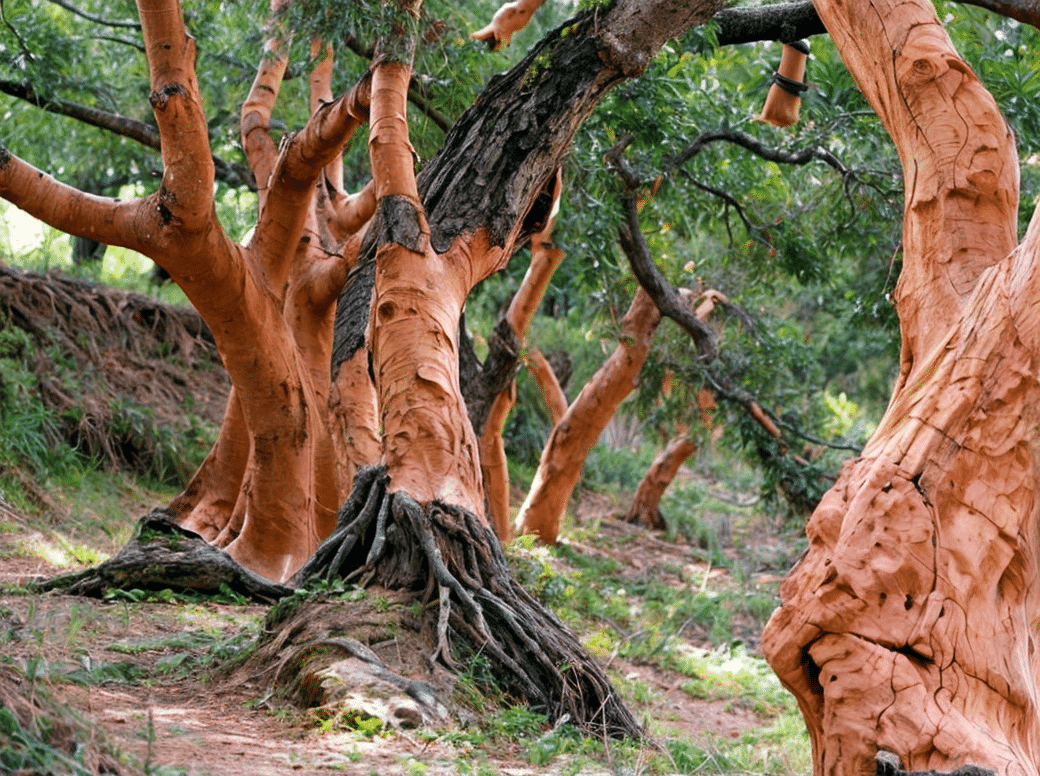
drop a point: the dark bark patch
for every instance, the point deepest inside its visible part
(166, 196)
(481, 383)
(160, 98)
(513, 138)
(889, 764)
(402, 223)
(5, 158)
(353, 309)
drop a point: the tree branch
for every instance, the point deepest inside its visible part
(786, 22)
(667, 299)
(230, 173)
(1025, 11)
(122, 41)
(754, 231)
(416, 92)
(143, 133)
(760, 149)
(129, 24)
(66, 208)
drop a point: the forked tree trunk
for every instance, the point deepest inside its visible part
(269, 304)
(417, 522)
(909, 625)
(283, 477)
(646, 504)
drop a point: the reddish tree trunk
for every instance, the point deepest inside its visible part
(542, 372)
(909, 625)
(269, 304)
(545, 259)
(574, 436)
(645, 507)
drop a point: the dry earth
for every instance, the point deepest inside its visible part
(163, 709)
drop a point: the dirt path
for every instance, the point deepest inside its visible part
(142, 676)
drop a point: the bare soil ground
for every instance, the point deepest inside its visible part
(145, 685)
(141, 677)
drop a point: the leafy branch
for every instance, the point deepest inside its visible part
(125, 24)
(231, 173)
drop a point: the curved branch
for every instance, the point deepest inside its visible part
(786, 22)
(298, 168)
(417, 94)
(660, 290)
(143, 133)
(10, 27)
(121, 41)
(68, 209)
(231, 173)
(129, 25)
(754, 232)
(760, 149)
(184, 201)
(255, 116)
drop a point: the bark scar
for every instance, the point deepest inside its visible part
(160, 98)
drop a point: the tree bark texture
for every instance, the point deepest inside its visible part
(499, 158)
(542, 371)
(442, 553)
(269, 304)
(908, 628)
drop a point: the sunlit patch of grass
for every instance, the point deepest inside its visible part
(730, 673)
(783, 749)
(55, 550)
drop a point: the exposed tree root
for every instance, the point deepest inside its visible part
(888, 764)
(438, 553)
(162, 555)
(381, 670)
(441, 552)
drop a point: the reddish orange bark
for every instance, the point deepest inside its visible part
(429, 446)
(782, 107)
(909, 625)
(269, 303)
(645, 507)
(494, 468)
(507, 21)
(354, 419)
(545, 259)
(574, 436)
(542, 372)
